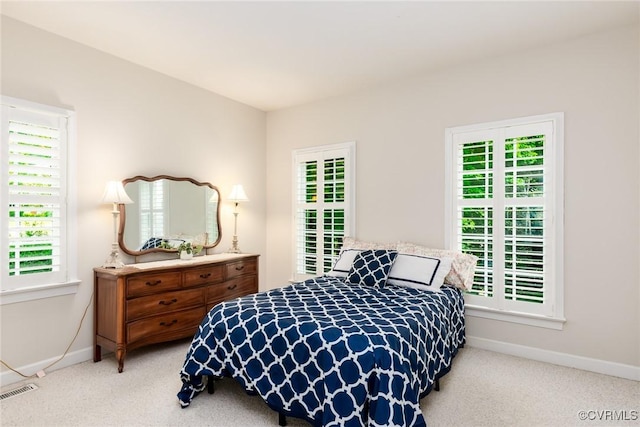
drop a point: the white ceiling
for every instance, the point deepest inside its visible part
(274, 55)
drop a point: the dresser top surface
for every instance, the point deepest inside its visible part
(174, 263)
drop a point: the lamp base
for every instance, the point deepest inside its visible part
(234, 246)
(113, 260)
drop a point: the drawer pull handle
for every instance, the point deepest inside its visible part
(173, 322)
(168, 302)
(240, 267)
(157, 282)
(232, 287)
(205, 276)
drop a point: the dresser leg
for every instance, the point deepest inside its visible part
(120, 353)
(97, 353)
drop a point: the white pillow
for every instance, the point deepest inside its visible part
(344, 262)
(419, 272)
(352, 243)
(463, 265)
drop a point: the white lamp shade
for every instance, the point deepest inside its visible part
(237, 194)
(114, 193)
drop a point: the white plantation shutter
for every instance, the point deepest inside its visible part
(34, 193)
(323, 206)
(505, 194)
(474, 210)
(306, 216)
(528, 219)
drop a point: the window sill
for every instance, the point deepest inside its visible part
(13, 296)
(556, 323)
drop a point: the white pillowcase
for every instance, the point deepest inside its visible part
(344, 262)
(351, 243)
(462, 268)
(419, 272)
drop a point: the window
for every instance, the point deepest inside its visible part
(324, 206)
(504, 189)
(36, 199)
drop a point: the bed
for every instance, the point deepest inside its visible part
(342, 349)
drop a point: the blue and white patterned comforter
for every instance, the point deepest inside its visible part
(331, 352)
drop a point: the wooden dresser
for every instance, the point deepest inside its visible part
(161, 301)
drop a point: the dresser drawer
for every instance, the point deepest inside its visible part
(170, 322)
(202, 276)
(146, 284)
(231, 289)
(240, 268)
(163, 303)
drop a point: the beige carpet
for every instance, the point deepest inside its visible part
(482, 389)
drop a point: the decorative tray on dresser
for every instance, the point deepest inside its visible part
(160, 301)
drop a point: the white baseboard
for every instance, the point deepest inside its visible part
(9, 377)
(621, 370)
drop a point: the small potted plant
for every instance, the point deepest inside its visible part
(187, 250)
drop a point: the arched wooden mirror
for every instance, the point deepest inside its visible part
(167, 211)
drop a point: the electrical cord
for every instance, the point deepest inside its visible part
(84, 315)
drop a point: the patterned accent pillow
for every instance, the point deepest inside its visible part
(371, 267)
(463, 266)
(344, 262)
(152, 242)
(419, 272)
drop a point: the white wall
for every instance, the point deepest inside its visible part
(399, 131)
(131, 121)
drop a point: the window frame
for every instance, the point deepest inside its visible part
(320, 153)
(553, 198)
(12, 292)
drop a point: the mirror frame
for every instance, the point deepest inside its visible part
(121, 208)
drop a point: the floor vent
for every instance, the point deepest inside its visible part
(18, 391)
